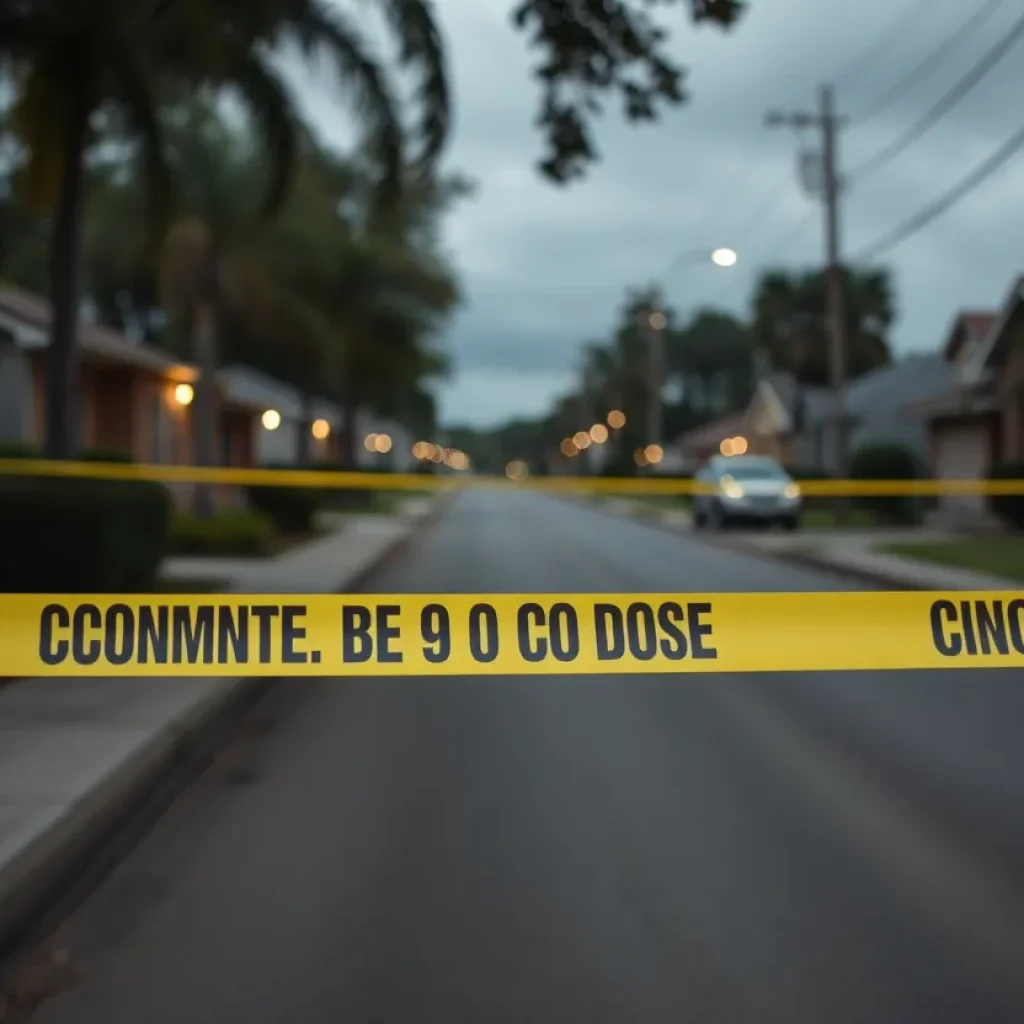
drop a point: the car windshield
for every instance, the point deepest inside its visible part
(753, 469)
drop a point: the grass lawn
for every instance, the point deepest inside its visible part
(998, 556)
(283, 542)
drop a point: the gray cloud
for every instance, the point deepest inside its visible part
(545, 268)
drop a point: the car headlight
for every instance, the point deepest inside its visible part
(730, 488)
(792, 491)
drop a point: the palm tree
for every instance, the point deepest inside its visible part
(791, 323)
(80, 70)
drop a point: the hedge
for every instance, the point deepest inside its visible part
(81, 536)
(232, 532)
(887, 462)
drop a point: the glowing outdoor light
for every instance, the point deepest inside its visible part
(183, 394)
(381, 444)
(320, 429)
(271, 419)
(517, 470)
(654, 453)
(616, 419)
(370, 442)
(724, 257)
(599, 433)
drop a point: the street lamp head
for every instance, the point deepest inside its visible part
(724, 257)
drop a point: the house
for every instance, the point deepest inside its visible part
(790, 422)
(696, 446)
(797, 424)
(133, 396)
(979, 420)
(284, 414)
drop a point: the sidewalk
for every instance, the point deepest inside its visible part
(354, 542)
(848, 553)
(74, 753)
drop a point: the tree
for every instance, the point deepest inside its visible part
(594, 47)
(791, 326)
(81, 69)
(713, 359)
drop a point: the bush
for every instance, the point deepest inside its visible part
(887, 462)
(290, 509)
(69, 535)
(19, 450)
(1008, 507)
(107, 455)
(234, 532)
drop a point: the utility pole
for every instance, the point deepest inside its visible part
(827, 185)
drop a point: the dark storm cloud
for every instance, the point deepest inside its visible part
(545, 269)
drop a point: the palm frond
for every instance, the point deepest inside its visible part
(422, 45)
(140, 108)
(269, 103)
(317, 24)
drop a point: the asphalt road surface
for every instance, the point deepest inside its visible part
(820, 848)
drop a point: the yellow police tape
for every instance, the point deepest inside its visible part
(469, 635)
(645, 485)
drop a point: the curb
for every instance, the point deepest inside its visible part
(883, 581)
(60, 868)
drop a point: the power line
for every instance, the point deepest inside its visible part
(936, 209)
(950, 100)
(903, 85)
(893, 30)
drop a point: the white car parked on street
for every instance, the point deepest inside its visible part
(750, 489)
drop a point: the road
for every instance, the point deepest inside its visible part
(840, 848)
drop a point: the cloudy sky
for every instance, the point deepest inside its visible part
(545, 268)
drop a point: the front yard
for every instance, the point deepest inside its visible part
(997, 556)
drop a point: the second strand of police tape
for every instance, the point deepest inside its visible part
(404, 635)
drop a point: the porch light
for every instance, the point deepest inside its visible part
(382, 444)
(582, 440)
(321, 429)
(599, 433)
(271, 419)
(370, 442)
(654, 453)
(183, 394)
(616, 419)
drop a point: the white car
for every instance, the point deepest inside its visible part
(750, 489)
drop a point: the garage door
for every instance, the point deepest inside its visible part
(963, 454)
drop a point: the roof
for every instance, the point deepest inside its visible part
(971, 325)
(915, 378)
(102, 342)
(240, 385)
(989, 349)
(246, 386)
(711, 435)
